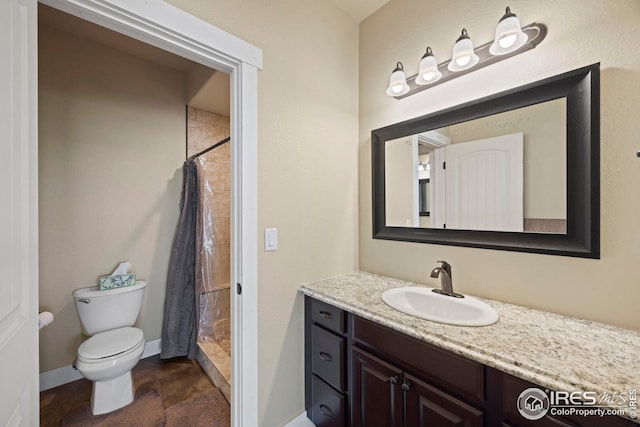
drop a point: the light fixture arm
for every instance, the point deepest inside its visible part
(464, 35)
(507, 14)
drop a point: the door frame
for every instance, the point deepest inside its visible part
(169, 28)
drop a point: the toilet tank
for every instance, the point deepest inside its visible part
(101, 311)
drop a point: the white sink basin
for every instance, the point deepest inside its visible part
(422, 302)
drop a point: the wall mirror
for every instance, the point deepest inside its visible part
(518, 171)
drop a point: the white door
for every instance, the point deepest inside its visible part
(18, 214)
(484, 184)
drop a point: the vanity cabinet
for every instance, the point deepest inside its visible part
(385, 395)
(359, 373)
(377, 392)
(426, 405)
(325, 364)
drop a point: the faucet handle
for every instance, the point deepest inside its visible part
(446, 266)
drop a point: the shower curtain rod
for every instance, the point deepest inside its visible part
(206, 150)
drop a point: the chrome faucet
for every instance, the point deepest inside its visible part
(445, 279)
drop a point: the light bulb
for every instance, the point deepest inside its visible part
(463, 56)
(428, 75)
(397, 82)
(509, 36)
(463, 60)
(397, 88)
(507, 41)
(428, 72)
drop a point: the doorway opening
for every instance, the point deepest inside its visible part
(207, 46)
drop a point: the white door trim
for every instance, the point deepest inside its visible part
(167, 27)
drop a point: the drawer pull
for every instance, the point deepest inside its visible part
(406, 386)
(326, 356)
(325, 314)
(326, 411)
(393, 380)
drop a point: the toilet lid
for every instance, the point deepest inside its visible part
(110, 343)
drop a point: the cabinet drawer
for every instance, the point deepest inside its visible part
(328, 316)
(327, 405)
(327, 357)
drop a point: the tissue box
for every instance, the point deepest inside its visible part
(119, 281)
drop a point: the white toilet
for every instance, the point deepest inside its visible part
(114, 348)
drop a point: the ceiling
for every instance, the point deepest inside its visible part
(359, 9)
(207, 89)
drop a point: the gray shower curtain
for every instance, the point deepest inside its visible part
(180, 322)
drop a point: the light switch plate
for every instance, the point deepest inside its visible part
(270, 239)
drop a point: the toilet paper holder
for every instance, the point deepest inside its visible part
(44, 319)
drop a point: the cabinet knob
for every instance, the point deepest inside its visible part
(406, 386)
(325, 356)
(325, 314)
(393, 380)
(326, 411)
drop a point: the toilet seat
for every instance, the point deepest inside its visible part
(110, 344)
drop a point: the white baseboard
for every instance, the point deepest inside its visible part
(67, 374)
(300, 421)
(51, 379)
(151, 348)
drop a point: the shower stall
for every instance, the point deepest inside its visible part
(213, 242)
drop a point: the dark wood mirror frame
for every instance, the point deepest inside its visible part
(581, 89)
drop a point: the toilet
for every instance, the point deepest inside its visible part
(115, 346)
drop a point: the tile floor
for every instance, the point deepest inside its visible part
(179, 380)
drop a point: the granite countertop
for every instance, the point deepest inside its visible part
(551, 350)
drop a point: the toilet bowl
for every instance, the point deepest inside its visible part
(107, 359)
(114, 348)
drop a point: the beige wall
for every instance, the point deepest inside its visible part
(307, 170)
(400, 181)
(111, 145)
(580, 33)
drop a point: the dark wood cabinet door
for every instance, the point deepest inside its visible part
(427, 406)
(377, 392)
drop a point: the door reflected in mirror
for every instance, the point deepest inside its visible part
(503, 172)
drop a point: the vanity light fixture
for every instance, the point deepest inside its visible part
(510, 40)
(463, 56)
(398, 82)
(509, 35)
(428, 71)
